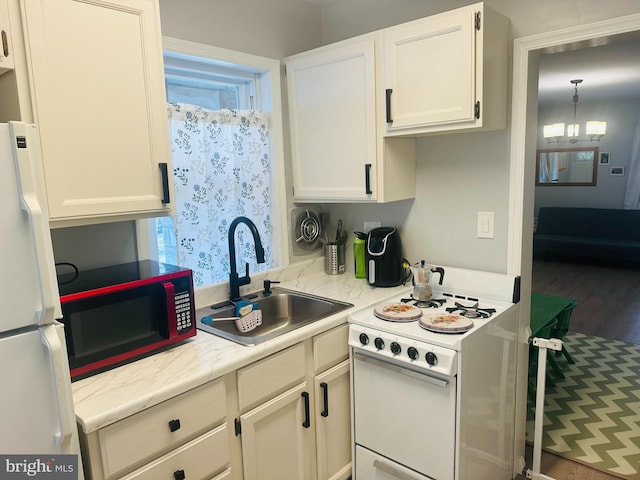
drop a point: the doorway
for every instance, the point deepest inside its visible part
(527, 52)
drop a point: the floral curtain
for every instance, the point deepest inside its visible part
(221, 167)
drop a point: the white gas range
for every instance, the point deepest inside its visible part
(435, 405)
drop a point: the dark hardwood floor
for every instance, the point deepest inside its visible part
(607, 298)
(608, 306)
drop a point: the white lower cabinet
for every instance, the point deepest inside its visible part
(333, 423)
(290, 429)
(277, 438)
(285, 417)
(186, 435)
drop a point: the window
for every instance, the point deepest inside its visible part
(227, 160)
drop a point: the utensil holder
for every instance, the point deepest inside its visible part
(334, 263)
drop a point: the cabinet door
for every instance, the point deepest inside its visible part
(6, 48)
(275, 444)
(333, 423)
(333, 129)
(429, 68)
(98, 82)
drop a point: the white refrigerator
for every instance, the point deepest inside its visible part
(36, 405)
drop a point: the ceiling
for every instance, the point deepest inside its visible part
(609, 68)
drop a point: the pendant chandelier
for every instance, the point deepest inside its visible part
(555, 132)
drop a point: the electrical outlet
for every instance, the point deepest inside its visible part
(371, 225)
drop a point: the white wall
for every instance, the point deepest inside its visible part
(94, 246)
(621, 116)
(269, 28)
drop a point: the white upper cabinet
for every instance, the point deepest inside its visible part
(333, 130)
(6, 47)
(338, 154)
(355, 105)
(96, 73)
(446, 72)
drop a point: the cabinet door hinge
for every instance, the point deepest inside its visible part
(237, 426)
(477, 110)
(478, 23)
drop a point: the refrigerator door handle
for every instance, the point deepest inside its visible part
(51, 338)
(26, 149)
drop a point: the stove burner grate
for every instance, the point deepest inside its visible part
(474, 311)
(431, 303)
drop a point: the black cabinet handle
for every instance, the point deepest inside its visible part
(307, 420)
(388, 104)
(179, 475)
(325, 397)
(174, 424)
(5, 44)
(367, 178)
(165, 182)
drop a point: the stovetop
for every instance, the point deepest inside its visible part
(487, 294)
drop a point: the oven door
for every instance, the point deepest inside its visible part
(405, 415)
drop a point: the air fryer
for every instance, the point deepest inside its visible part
(384, 257)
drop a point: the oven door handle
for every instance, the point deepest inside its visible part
(391, 470)
(402, 370)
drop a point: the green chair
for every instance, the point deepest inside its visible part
(545, 311)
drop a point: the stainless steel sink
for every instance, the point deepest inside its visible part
(282, 311)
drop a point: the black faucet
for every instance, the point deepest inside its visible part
(234, 281)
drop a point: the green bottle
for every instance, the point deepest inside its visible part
(358, 254)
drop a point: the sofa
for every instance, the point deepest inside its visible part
(588, 235)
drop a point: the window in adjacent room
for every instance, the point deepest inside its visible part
(225, 148)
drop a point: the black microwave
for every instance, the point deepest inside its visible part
(116, 314)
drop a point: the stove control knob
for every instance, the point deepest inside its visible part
(364, 339)
(379, 343)
(431, 358)
(413, 353)
(395, 348)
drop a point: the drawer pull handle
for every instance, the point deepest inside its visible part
(325, 398)
(174, 424)
(5, 44)
(179, 475)
(307, 420)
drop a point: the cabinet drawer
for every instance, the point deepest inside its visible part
(200, 459)
(275, 374)
(148, 433)
(226, 475)
(330, 348)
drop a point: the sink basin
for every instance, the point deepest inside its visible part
(282, 311)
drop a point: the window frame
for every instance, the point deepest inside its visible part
(269, 96)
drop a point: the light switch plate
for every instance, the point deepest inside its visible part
(485, 224)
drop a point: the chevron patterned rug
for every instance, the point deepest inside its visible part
(593, 415)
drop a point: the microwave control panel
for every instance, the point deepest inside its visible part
(183, 312)
(183, 304)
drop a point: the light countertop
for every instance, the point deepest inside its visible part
(115, 394)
